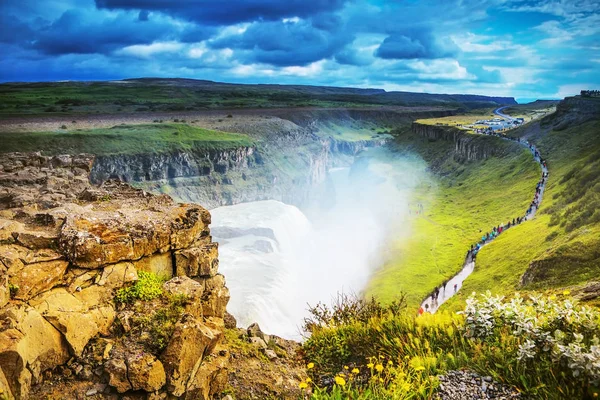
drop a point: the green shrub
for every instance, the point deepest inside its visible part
(147, 287)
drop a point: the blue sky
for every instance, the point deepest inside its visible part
(521, 48)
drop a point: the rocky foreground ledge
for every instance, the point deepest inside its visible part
(66, 247)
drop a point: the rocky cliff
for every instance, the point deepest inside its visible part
(67, 249)
(467, 147)
(292, 155)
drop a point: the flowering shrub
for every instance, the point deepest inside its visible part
(546, 327)
(546, 346)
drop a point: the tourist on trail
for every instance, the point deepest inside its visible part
(455, 289)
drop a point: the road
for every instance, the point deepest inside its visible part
(498, 112)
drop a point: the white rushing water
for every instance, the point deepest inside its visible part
(277, 260)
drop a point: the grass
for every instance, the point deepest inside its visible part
(560, 247)
(401, 356)
(123, 139)
(460, 202)
(459, 120)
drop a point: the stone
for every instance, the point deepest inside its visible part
(198, 261)
(117, 275)
(258, 342)
(159, 264)
(4, 289)
(145, 372)
(74, 318)
(270, 354)
(117, 375)
(27, 349)
(192, 290)
(191, 341)
(215, 297)
(33, 279)
(8, 229)
(229, 321)
(211, 378)
(37, 240)
(188, 224)
(91, 392)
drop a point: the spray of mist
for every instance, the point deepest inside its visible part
(278, 259)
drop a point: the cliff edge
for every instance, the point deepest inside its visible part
(73, 256)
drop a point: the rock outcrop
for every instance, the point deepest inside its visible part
(467, 147)
(67, 247)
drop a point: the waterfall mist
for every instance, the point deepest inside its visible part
(278, 259)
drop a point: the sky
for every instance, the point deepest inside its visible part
(521, 48)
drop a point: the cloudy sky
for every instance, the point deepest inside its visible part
(521, 48)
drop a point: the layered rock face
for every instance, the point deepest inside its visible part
(67, 247)
(467, 147)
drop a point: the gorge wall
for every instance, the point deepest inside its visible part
(467, 147)
(293, 151)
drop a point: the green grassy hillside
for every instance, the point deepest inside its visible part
(123, 139)
(461, 201)
(560, 248)
(175, 95)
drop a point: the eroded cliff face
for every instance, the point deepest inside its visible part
(291, 157)
(66, 248)
(467, 147)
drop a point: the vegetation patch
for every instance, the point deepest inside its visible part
(147, 287)
(546, 346)
(124, 139)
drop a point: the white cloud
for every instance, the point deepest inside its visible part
(148, 50)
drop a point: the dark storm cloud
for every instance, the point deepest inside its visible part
(417, 43)
(286, 43)
(227, 11)
(77, 32)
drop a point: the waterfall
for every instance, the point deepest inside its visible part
(278, 259)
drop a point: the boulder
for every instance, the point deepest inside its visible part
(7, 228)
(33, 279)
(182, 285)
(76, 320)
(5, 391)
(190, 343)
(28, 348)
(37, 240)
(215, 297)
(117, 374)
(211, 378)
(159, 264)
(145, 372)
(198, 261)
(188, 224)
(117, 275)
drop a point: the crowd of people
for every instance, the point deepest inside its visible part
(497, 230)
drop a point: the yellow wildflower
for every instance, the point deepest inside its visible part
(355, 371)
(390, 362)
(340, 381)
(406, 357)
(303, 385)
(345, 367)
(553, 297)
(379, 367)
(370, 365)
(381, 380)
(406, 386)
(566, 292)
(420, 368)
(310, 365)
(308, 380)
